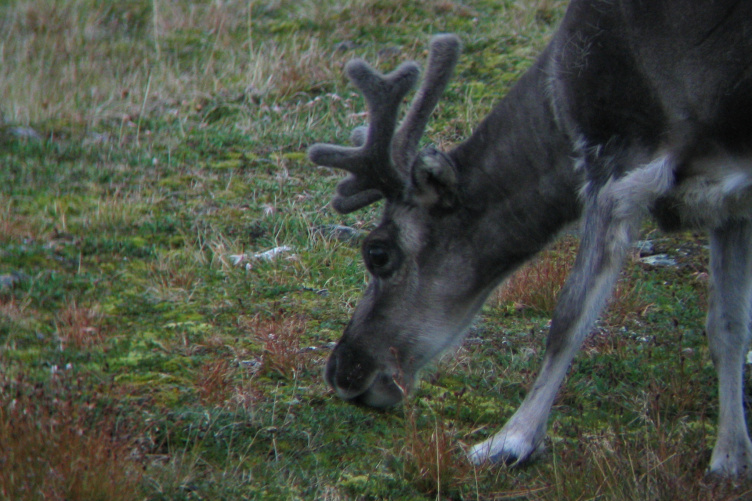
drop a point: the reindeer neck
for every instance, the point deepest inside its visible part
(518, 168)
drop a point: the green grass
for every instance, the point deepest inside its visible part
(171, 137)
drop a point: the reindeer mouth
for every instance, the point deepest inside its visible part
(383, 393)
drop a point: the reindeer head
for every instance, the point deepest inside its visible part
(425, 284)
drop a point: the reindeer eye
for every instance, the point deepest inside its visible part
(381, 256)
(378, 257)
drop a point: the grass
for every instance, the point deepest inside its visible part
(147, 144)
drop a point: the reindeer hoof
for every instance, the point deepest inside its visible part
(728, 473)
(730, 467)
(732, 459)
(506, 449)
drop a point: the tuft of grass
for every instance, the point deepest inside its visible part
(432, 458)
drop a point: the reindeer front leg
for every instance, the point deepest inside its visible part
(612, 218)
(728, 336)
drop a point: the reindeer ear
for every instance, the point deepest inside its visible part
(434, 179)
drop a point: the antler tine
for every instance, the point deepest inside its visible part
(354, 192)
(442, 58)
(372, 171)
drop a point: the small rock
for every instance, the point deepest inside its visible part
(527, 352)
(272, 253)
(11, 280)
(473, 341)
(97, 138)
(659, 260)
(339, 232)
(644, 247)
(237, 259)
(253, 93)
(25, 133)
(345, 46)
(252, 365)
(390, 52)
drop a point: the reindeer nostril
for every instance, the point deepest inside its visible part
(356, 377)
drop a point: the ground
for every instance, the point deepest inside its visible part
(152, 151)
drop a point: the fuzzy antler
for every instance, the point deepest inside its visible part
(379, 163)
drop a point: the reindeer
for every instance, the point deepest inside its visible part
(634, 108)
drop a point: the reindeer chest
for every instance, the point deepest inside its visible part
(707, 193)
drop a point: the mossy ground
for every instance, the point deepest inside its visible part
(147, 144)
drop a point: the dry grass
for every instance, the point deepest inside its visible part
(60, 443)
(658, 465)
(173, 277)
(14, 310)
(79, 326)
(15, 227)
(280, 342)
(116, 210)
(537, 285)
(57, 62)
(432, 458)
(215, 382)
(626, 303)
